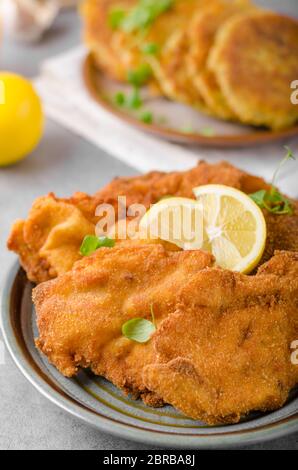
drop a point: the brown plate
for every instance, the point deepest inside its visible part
(176, 122)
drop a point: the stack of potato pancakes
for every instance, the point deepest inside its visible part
(227, 58)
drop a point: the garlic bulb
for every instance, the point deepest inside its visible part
(27, 20)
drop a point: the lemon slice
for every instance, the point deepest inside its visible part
(176, 220)
(234, 227)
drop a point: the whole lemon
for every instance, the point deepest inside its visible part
(21, 118)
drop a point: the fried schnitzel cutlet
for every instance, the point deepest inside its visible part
(201, 35)
(80, 314)
(169, 65)
(222, 345)
(225, 351)
(255, 59)
(227, 58)
(48, 241)
(109, 47)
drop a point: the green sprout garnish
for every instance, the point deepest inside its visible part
(150, 48)
(272, 200)
(207, 132)
(139, 330)
(92, 243)
(147, 117)
(188, 129)
(139, 76)
(144, 14)
(134, 101)
(116, 17)
(120, 98)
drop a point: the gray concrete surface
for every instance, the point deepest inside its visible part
(62, 163)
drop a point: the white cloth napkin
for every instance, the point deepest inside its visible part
(66, 101)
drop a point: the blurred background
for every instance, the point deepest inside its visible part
(65, 32)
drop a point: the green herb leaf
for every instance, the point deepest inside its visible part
(289, 156)
(138, 329)
(259, 197)
(139, 76)
(91, 243)
(144, 14)
(151, 48)
(207, 132)
(272, 200)
(134, 101)
(187, 129)
(147, 117)
(116, 17)
(120, 98)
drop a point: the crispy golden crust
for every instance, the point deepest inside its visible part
(212, 95)
(80, 314)
(226, 58)
(205, 26)
(225, 351)
(170, 65)
(255, 59)
(172, 74)
(48, 241)
(222, 345)
(113, 51)
(201, 36)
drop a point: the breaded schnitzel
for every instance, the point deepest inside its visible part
(80, 314)
(255, 60)
(110, 49)
(48, 241)
(225, 351)
(201, 35)
(222, 345)
(169, 65)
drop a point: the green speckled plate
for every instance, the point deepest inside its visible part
(97, 402)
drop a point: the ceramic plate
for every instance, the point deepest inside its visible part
(173, 121)
(100, 404)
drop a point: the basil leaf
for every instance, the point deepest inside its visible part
(259, 197)
(138, 330)
(91, 243)
(281, 205)
(272, 201)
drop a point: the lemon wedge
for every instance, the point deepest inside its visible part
(234, 227)
(176, 220)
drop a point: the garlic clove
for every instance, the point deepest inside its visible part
(27, 20)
